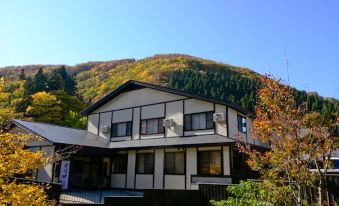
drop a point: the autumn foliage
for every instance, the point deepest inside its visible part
(300, 143)
(18, 161)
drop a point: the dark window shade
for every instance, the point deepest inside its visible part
(119, 163)
(152, 126)
(198, 121)
(174, 163)
(145, 163)
(121, 129)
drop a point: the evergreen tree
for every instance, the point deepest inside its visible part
(55, 82)
(28, 87)
(69, 82)
(39, 81)
(22, 75)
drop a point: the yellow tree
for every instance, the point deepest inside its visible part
(16, 161)
(45, 107)
(298, 141)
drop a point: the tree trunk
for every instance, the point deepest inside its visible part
(320, 191)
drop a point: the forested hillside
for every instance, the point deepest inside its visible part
(70, 88)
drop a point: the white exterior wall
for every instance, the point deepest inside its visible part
(122, 116)
(159, 168)
(45, 174)
(136, 123)
(174, 110)
(131, 160)
(221, 127)
(144, 181)
(138, 98)
(105, 120)
(118, 180)
(92, 124)
(191, 167)
(195, 106)
(176, 182)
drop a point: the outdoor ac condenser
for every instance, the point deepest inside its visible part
(104, 129)
(219, 117)
(168, 123)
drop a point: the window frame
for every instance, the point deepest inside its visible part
(125, 169)
(199, 163)
(152, 154)
(241, 124)
(159, 131)
(191, 121)
(127, 133)
(184, 163)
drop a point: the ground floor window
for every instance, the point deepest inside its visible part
(119, 163)
(174, 163)
(209, 162)
(145, 163)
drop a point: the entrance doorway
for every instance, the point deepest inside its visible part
(88, 173)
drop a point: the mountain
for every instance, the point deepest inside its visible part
(196, 75)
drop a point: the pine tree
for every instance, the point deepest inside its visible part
(55, 82)
(22, 75)
(39, 81)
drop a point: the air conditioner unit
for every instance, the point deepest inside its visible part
(168, 123)
(104, 129)
(219, 117)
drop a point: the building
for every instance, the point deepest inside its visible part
(143, 136)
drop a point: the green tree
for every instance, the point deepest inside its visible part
(55, 81)
(22, 75)
(39, 81)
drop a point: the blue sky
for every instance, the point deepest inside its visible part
(252, 34)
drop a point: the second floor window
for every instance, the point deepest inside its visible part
(152, 126)
(199, 121)
(242, 125)
(121, 129)
(145, 163)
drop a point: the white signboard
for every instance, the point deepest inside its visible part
(64, 173)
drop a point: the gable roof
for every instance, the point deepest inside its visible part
(133, 85)
(63, 135)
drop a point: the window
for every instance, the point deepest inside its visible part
(152, 126)
(175, 163)
(119, 163)
(199, 121)
(242, 125)
(121, 129)
(145, 163)
(209, 162)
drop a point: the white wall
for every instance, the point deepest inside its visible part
(221, 127)
(227, 160)
(105, 120)
(137, 98)
(92, 124)
(144, 181)
(153, 111)
(122, 116)
(195, 106)
(174, 110)
(159, 168)
(191, 167)
(45, 173)
(118, 180)
(136, 123)
(175, 182)
(131, 168)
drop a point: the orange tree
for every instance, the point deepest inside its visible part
(301, 143)
(17, 161)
